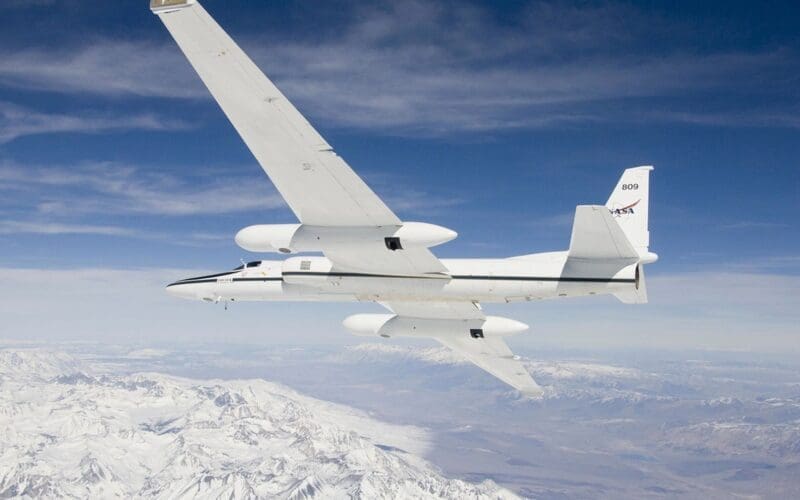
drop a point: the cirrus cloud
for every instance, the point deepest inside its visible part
(437, 68)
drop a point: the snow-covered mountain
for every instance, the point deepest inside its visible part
(379, 352)
(374, 352)
(67, 433)
(607, 427)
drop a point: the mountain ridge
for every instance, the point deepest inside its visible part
(68, 433)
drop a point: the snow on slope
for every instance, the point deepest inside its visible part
(35, 363)
(737, 439)
(580, 370)
(373, 352)
(67, 434)
(541, 370)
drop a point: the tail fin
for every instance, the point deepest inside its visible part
(613, 240)
(630, 204)
(597, 236)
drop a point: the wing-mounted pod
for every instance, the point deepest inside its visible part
(391, 325)
(293, 238)
(271, 238)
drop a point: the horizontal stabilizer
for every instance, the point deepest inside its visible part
(596, 235)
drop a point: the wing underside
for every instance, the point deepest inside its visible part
(455, 326)
(494, 356)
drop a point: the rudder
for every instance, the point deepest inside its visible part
(629, 203)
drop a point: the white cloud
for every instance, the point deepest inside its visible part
(407, 199)
(42, 197)
(19, 227)
(44, 227)
(21, 4)
(752, 224)
(786, 117)
(149, 69)
(100, 198)
(716, 309)
(413, 67)
(16, 121)
(111, 188)
(147, 353)
(755, 312)
(438, 97)
(116, 305)
(774, 264)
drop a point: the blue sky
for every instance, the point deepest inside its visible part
(494, 119)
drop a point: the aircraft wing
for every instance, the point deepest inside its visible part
(490, 353)
(494, 356)
(317, 184)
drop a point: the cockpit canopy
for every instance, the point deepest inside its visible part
(254, 263)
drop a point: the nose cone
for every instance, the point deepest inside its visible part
(182, 290)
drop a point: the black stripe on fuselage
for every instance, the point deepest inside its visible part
(560, 279)
(206, 279)
(466, 277)
(567, 279)
(209, 276)
(364, 275)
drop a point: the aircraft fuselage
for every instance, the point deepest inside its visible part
(311, 278)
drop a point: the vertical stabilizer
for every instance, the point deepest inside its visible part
(630, 204)
(596, 235)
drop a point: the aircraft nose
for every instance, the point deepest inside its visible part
(181, 290)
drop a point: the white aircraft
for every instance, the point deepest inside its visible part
(369, 253)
